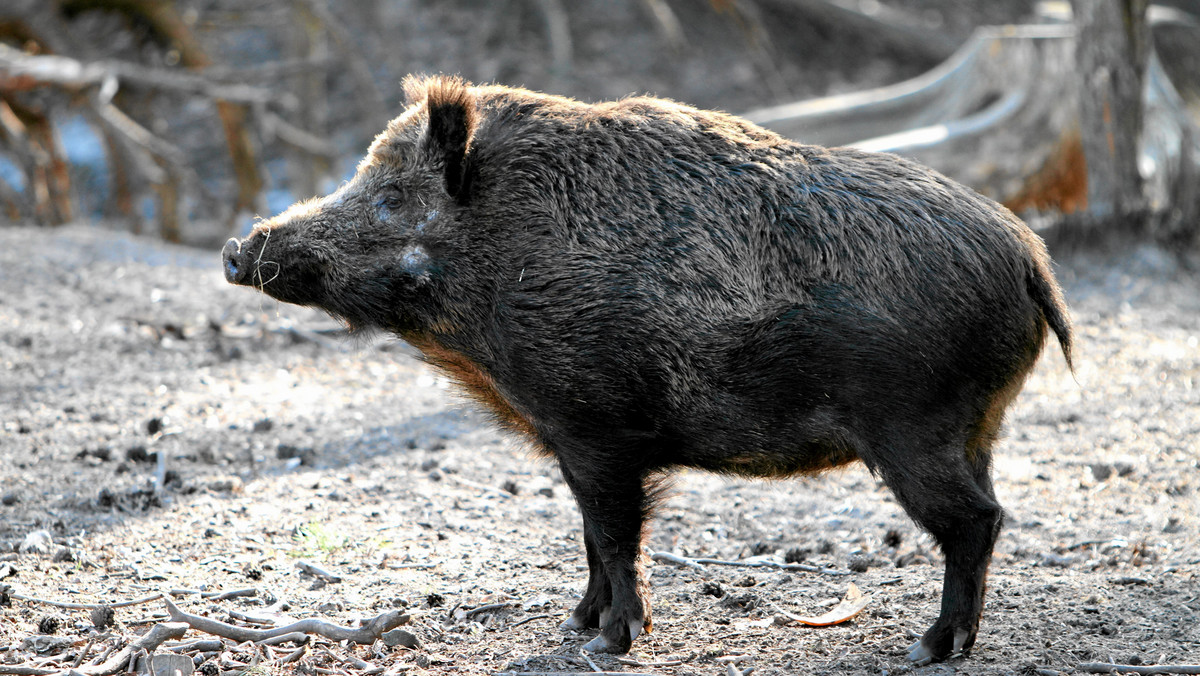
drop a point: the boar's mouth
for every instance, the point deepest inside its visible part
(236, 270)
(244, 264)
(245, 267)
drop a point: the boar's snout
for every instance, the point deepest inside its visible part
(237, 264)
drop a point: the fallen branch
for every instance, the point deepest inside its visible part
(85, 606)
(364, 635)
(150, 641)
(667, 557)
(1106, 668)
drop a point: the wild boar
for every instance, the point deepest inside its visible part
(638, 285)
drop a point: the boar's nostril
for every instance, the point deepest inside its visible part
(233, 267)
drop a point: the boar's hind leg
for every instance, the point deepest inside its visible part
(614, 503)
(951, 497)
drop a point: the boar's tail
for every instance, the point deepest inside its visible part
(1045, 291)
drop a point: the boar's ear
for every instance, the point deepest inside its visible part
(452, 118)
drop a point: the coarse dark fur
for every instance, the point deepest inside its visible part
(639, 285)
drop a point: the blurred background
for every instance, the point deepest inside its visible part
(187, 119)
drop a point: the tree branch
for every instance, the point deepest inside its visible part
(364, 635)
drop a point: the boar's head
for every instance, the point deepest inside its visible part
(374, 252)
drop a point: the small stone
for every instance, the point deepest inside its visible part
(331, 606)
(140, 454)
(795, 555)
(892, 538)
(740, 602)
(46, 644)
(154, 426)
(402, 638)
(38, 542)
(859, 563)
(306, 455)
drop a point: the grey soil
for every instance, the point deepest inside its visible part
(285, 441)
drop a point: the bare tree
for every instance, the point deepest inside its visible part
(1112, 48)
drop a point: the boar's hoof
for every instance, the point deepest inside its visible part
(921, 654)
(573, 623)
(600, 644)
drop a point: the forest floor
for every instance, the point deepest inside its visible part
(282, 443)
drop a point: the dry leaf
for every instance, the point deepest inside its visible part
(850, 606)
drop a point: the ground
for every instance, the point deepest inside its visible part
(284, 442)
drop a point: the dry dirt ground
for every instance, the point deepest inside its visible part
(285, 443)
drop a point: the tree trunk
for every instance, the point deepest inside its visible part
(1111, 54)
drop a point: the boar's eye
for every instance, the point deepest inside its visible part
(392, 197)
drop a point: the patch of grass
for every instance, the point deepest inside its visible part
(316, 538)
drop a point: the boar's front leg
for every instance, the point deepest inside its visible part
(598, 596)
(615, 502)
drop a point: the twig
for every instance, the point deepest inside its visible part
(232, 594)
(254, 619)
(27, 671)
(364, 635)
(314, 569)
(638, 663)
(204, 645)
(294, 656)
(1106, 668)
(587, 658)
(485, 609)
(473, 484)
(365, 667)
(529, 619)
(86, 606)
(297, 637)
(83, 653)
(667, 557)
(1091, 543)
